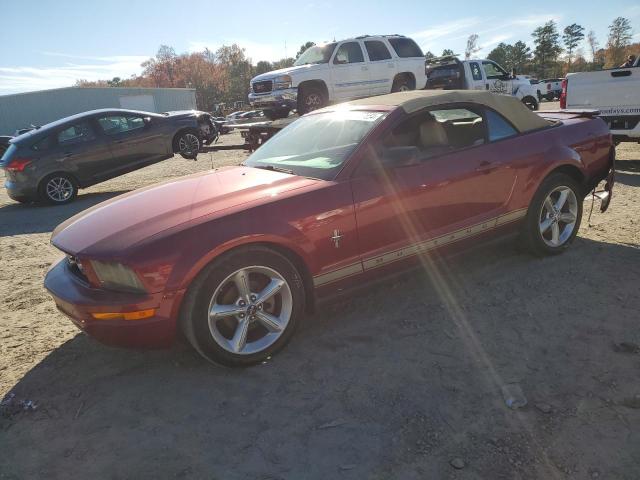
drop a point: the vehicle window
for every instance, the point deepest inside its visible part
(42, 144)
(493, 71)
(316, 145)
(498, 126)
(114, 124)
(377, 50)
(349, 52)
(78, 133)
(438, 132)
(316, 54)
(475, 71)
(405, 47)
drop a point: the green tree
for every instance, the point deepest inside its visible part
(283, 63)
(115, 82)
(620, 34)
(263, 67)
(304, 47)
(519, 56)
(547, 41)
(573, 35)
(446, 52)
(500, 54)
(429, 55)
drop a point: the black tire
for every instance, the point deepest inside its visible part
(57, 189)
(188, 143)
(532, 238)
(402, 83)
(311, 98)
(194, 319)
(530, 102)
(276, 113)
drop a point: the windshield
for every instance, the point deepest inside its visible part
(317, 145)
(316, 54)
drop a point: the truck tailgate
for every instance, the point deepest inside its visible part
(612, 92)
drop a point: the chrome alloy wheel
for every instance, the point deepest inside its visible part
(189, 144)
(250, 310)
(59, 189)
(558, 216)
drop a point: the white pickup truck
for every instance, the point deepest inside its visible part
(615, 93)
(340, 71)
(450, 73)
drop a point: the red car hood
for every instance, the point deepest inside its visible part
(125, 220)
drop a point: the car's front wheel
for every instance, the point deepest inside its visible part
(188, 144)
(554, 215)
(311, 98)
(57, 189)
(243, 307)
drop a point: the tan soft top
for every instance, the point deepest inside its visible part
(510, 107)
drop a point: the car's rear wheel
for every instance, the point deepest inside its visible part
(244, 307)
(311, 98)
(530, 102)
(401, 83)
(58, 189)
(188, 144)
(554, 215)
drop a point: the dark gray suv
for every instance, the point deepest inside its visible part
(52, 162)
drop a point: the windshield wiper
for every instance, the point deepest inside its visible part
(275, 169)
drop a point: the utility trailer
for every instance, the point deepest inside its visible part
(255, 134)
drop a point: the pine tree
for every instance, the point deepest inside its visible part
(573, 35)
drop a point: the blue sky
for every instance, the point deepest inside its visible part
(52, 43)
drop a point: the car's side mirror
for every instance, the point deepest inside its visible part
(146, 120)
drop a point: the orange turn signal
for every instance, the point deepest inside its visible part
(139, 315)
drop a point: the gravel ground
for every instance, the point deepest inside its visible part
(405, 380)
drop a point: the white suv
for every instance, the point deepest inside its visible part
(340, 71)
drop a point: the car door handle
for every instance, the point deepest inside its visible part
(68, 154)
(390, 65)
(118, 141)
(364, 69)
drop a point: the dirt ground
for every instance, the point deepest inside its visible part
(405, 380)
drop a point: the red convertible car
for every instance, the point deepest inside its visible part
(235, 256)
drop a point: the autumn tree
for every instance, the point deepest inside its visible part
(620, 35)
(572, 36)
(472, 46)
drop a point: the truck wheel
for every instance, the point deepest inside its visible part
(243, 307)
(311, 98)
(276, 113)
(554, 215)
(401, 83)
(530, 102)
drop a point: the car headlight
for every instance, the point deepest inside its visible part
(282, 82)
(116, 276)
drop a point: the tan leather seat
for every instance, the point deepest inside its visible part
(432, 134)
(433, 138)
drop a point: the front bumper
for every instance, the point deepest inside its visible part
(276, 99)
(78, 301)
